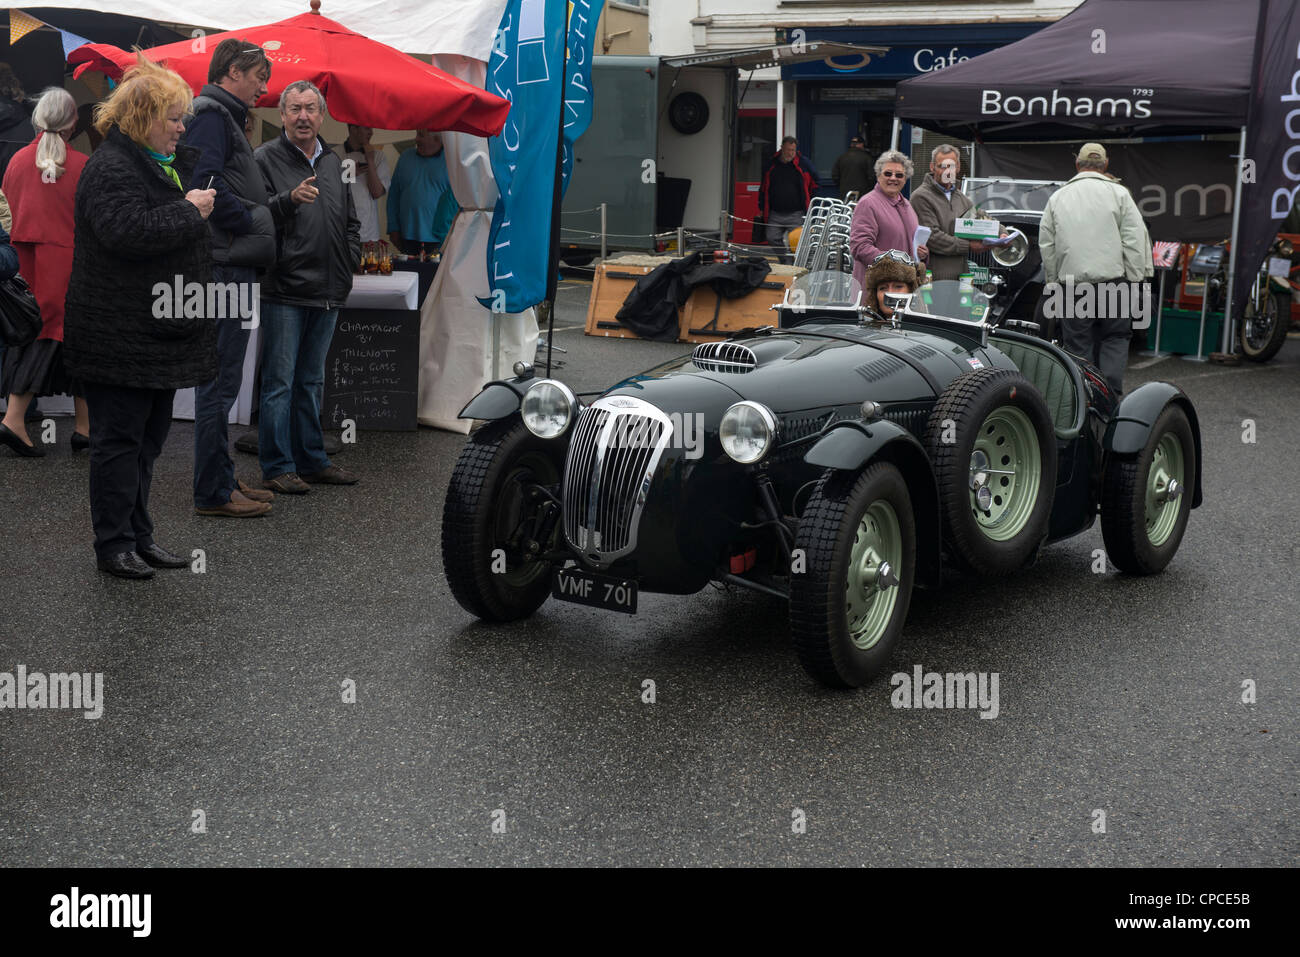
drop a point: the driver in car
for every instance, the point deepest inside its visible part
(892, 273)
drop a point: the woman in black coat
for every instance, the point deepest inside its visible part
(136, 326)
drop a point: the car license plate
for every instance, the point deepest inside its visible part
(598, 591)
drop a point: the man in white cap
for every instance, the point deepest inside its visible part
(1093, 235)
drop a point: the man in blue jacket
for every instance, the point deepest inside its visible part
(243, 238)
(417, 213)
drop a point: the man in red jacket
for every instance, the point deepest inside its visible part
(787, 190)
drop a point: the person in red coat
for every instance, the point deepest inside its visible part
(41, 186)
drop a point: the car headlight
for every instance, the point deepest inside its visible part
(747, 431)
(547, 408)
(1013, 253)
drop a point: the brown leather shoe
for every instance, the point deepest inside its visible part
(288, 483)
(237, 507)
(240, 498)
(330, 475)
(256, 494)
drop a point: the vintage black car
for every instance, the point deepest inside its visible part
(832, 461)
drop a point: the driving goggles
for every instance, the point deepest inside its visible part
(897, 256)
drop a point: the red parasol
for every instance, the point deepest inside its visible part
(364, 82)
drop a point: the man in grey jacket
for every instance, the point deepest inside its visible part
(1096, 255)
(939, 204)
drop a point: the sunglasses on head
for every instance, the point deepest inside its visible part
(897, 255)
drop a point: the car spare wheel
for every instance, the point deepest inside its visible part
(851, 575)
(993, 447)
(1146, 498)
(491, 513)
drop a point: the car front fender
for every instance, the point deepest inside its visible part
(1130, 428)
(497, 400)
(852, 444)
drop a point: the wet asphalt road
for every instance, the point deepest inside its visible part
(223, 690)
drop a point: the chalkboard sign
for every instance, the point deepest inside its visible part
(372, 370)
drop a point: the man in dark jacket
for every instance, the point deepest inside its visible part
(237, 77)
(787, 189)
(319, 248)
(853, 172)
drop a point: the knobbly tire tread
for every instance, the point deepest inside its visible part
(815, 600)
(1123, 502)
(967, 546)
(465, 555)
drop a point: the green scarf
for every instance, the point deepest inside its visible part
(166, 163)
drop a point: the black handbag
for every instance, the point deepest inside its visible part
(20, 316)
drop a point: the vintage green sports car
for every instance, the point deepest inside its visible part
(835, 461)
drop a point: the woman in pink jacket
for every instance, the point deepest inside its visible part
(41, 186)
(884, 219)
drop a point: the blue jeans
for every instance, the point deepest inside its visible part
(295, 340)
(214, 469)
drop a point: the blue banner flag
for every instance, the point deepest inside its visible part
(527, 68)
(578, 97)
(1268, 187)
(71, 41)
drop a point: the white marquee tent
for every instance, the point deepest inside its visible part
(464, 27)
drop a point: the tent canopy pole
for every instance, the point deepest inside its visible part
(780, 111)
(1226, 345)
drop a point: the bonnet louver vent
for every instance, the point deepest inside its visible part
(724, 357)
(878, 369)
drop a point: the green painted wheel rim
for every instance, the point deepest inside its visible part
(1164, 488)
(1005, 473)
(871, 586)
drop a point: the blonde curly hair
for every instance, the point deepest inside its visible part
(144, 95)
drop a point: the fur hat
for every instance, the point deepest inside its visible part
(890, 270)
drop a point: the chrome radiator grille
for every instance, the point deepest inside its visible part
(617, 443)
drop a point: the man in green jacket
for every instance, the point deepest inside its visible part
(1096, 255)
(939, 204)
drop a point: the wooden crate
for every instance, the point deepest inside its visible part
(608, 290)
(707, 317)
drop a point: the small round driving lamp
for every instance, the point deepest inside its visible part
(747, 431)
(548, 408)
(1014, 252)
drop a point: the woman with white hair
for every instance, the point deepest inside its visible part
(884, 219)
(41, 186)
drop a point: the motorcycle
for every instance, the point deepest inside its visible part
(1267, 317)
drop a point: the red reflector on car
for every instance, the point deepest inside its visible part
(744, 561)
